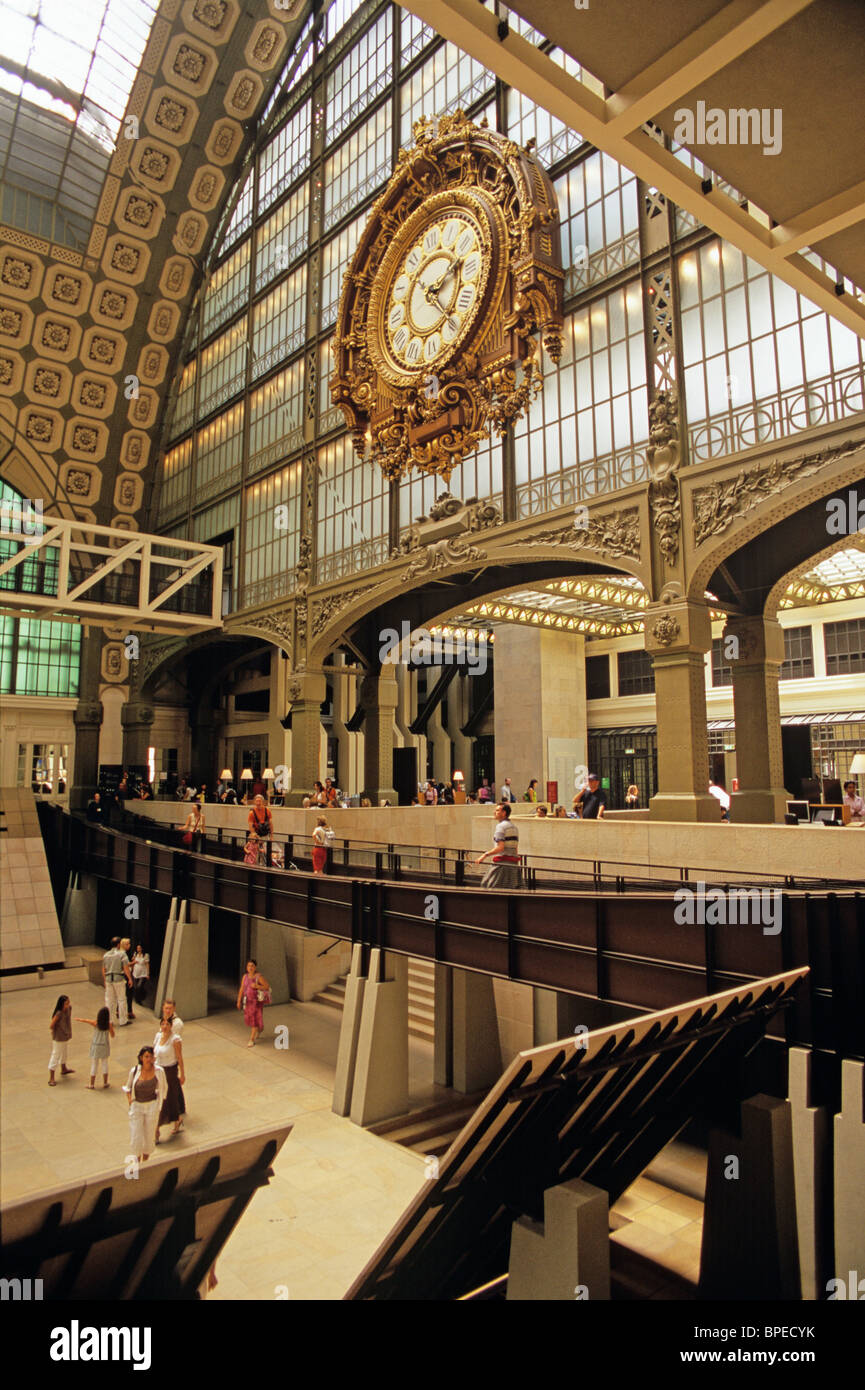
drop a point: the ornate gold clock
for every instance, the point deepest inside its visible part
(456, 274)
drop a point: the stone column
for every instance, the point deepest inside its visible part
(379, 696)
(757, 653)
(677, 636)
(540, 709)
(306, 693)
(87, 717)
(137, 721)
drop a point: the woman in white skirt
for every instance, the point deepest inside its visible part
(145, 1092)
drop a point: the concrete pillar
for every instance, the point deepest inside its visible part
(306, 694)
(349, 1033)
(568, 1257)
(379, 695)
(677, 635)
(555, 1015)
(268, 951)
(812, 1174)
(540, 708)
(183, 973)
(443, 1025)
(380, 1088)
(477, 1057)
(756, 668)
(750, 1249)
(137, 723)
(850, 1179)
(458, 714)
(78, 925)
(205, 739)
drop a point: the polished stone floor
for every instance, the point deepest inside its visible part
(336, 1192)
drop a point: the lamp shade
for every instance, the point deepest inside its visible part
(458, 777)
(225, 774)
(246, 775)
(857, 767)
(268, 774)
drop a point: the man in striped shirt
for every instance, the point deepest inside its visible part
(505, 872)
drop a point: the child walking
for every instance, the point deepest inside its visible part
(61, 1032)
(100, 1047)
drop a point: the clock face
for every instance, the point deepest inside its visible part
(435, 289)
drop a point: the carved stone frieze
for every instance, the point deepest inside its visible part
(326, 609)
(666, 630)
(443, 554)
(278, 623)
(615, 535)
(717, 506)
(663, 455)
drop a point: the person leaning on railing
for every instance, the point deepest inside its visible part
(260, 819)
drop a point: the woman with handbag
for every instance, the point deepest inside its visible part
(253, 994)
(193, 827)
(145, 1091)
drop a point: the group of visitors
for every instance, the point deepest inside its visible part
(154, 1086)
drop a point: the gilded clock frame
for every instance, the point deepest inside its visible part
(493, 268)
(397, 417)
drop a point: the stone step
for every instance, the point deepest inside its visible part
(59, 979)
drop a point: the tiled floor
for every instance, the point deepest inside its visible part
(665, 1226)
(336, 1191)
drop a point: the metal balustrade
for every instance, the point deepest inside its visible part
(605, 936)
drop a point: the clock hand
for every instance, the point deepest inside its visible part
(433, 291)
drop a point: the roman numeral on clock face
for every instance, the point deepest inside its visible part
(400, 338)
(465, 242)
(465, 298)
(413, 351)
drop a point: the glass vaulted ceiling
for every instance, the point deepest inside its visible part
(66, 71)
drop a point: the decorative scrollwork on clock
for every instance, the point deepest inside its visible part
(456, 282)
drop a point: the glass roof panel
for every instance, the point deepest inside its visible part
(75, 61)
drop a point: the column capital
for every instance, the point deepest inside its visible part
(89, 712)
(133, 714)
(304, 689)
(753, 639)
(681, 625)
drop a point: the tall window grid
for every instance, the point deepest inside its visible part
(357, 167)
(845, 647)
(227, 291)
(336, 255)
(760, 362)
(599, 214)
(271, 535)
(284, 158)
(587, 432)
(184, 409)
(358, 78)
(352, 512)
(276, 418)
(176, 480)
(446, 80)
(223, 369)
(241, 218)
(282, 238)
(218, 453)
(279, 323)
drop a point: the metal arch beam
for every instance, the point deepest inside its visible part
(717, 42)
(474, 29)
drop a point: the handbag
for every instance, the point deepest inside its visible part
(264, 996)
(188, 838)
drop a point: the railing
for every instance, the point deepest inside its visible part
(595, 939)
(400, 862)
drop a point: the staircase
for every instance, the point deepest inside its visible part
(431, 1131)
(421, 998)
